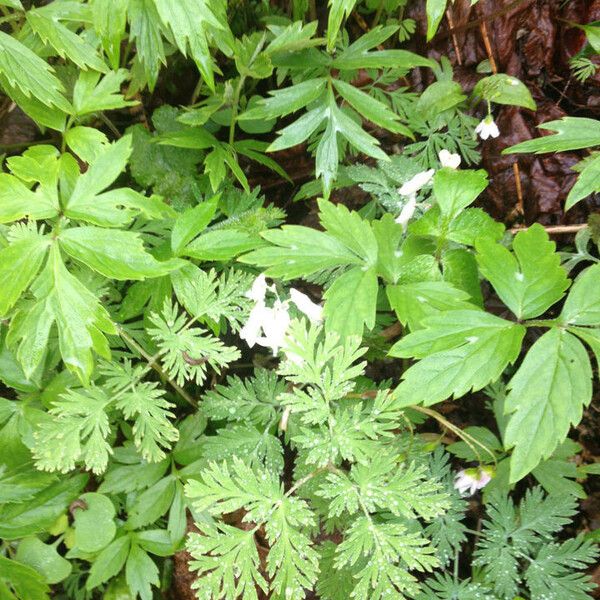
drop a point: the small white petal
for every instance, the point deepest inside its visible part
(252, 328)
(407, 212)
(411, 187)
(258, 290)
(447, 159)
(487, 128)
(312, 310)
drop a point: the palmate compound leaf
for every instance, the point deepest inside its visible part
(529, 281)
(547, 396)
(459, 351)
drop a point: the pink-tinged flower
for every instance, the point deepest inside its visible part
(304, 304)
(420, 180)
(407, 212)
(447, 159)
(487, 128)
(471, 480)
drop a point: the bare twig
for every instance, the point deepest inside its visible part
(454, 38)
(555, 229)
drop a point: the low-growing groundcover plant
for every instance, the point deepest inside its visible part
(184, 370)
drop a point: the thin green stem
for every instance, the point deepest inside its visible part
(377, 15)
(151, 362)
(235, 108)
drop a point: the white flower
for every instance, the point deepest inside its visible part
(258, 290)
(487, 128)
(411, 187)
(251, 331)
(313, 311)
(407, 212)
(447, 159)
(471, 480)
(275, 326)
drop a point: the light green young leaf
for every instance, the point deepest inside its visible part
(24, 580)
(588, 181)
(529, 281)
(93, 94)
(145, 29)
(435, 10)
(66, 43)
(504, 89)
(24, 70)
(19, 202)
(572, 133)
(300, 130)
(582, 306)
(338, 11)
(351, 302)
(86, 142)
(547, 396)
(109, 562)
(299, 251)
(221, 245)
(191, 222)
(19, 264)
(141, 573)
(44, 558)
(460, 351)
(110, 18)
(114, 253)
(151, 504)
(438, 97)
(94, 522)
(415, 301)
(77, 431)
(455, 190)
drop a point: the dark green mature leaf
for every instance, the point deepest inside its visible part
(110, 18)
(588, 181)
(504, 89)
(460, 351)
(141, 573)
(572, 133)
(438, 97)
(547, 396)
(529, 281)
(109, 562)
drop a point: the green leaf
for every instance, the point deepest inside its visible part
(19, 264)
(455, 190)
(438, 97)
(189, 22)
(109, 562)
(547, 396)
(151, 504)
(460, 351)
(94, 522)
(572, 133)
(78, 315)
(18, 202)
(504, 89)
(582, 306)
(66, 43)
(338, 11)
(88, 143)
(145, 29)
(24, 70)
(110, 18)
(26, 582)
(300, 130)
(190, 223)
(93, 94)
(435, 10)
(221, 245)
(351, 302)
(371, 109)
(299, 251)
(114, 253)
(473, 223)
(588, 181)
(415, 301)
(44, 559)
(287, 100)
(529, 281)
(141, 573)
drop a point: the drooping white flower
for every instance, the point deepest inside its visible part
(471, 480)
(412, 186)
(304, 304)
(258, 290)
(275, 326)
(487, 128)
(447, 159)
(407, 212)
(252, 329)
